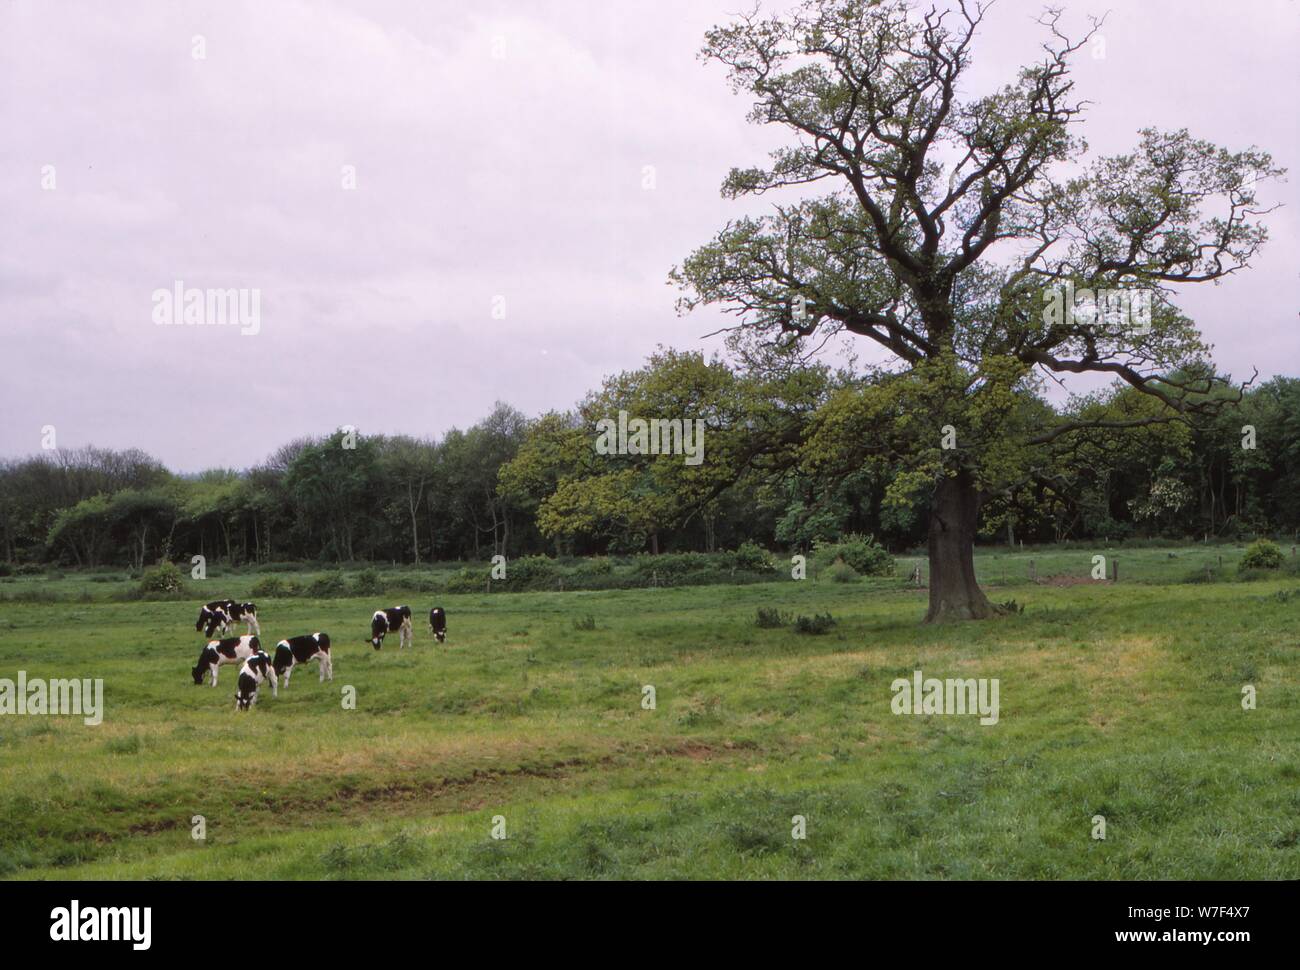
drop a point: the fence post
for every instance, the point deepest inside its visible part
(1115, 570)
(1033, 572)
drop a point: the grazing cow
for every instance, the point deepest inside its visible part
(219, 615)
(213, 619)
(228, 651)
(300, 650)
(438, 623)
(385, 621)
(256, 669)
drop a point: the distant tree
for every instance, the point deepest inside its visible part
(408, 465)
(332, 483)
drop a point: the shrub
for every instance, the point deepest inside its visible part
(529, 572)
(861, 553)
(368, 583)
(468, 580)
(814, 625)
(769, 618)
(329, 586)
(670, 568)
(842, 572)
(271, 587)
(587, 622)
(6, 570)
(162, 578)
(754, 558)
(1262, 554)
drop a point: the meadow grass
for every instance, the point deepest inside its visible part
(1116, 700)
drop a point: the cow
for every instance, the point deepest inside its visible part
(438, 623)
(219, 615)
(228, 651)
(256, 669)
(300, 650)
(213, 619)
(385, 621)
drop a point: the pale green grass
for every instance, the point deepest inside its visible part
(1123, 701)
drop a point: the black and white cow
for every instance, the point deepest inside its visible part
(219, 615)
(213, 620)
(256, 669)
(385, 621)
(438, 623)
(231, 650)
(304, 649)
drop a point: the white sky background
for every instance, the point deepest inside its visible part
(518, 176)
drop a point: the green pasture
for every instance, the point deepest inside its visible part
(1116, 700)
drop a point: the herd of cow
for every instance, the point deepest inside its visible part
(220, 616)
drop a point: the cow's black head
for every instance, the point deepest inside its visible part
(207, 657)
(246, 696)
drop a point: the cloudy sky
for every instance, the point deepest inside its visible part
(500, 155)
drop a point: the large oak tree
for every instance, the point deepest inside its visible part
(933, 222)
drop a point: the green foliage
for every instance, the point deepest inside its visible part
(368, 583)
(328, 586)
(841, 572)
(754, 558)
(469, 579)
(860, 553)
(530, 572)
(1262, 554)
(163, 578)
(273, 587)
(815, 625)
(770, 618)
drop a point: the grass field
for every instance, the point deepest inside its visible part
(1121, 700)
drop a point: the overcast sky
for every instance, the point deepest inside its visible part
(499, 151)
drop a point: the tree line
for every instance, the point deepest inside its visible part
(783, 464)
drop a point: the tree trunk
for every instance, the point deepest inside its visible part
(954, 516)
